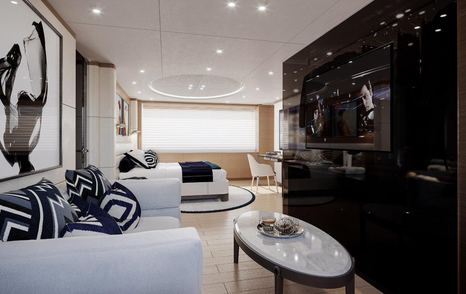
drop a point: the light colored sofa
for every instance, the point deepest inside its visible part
(157, 257)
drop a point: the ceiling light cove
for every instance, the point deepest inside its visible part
(200, 87)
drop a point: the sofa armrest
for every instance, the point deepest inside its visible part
(165, 261)
(154, 194)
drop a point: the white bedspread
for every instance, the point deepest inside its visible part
(168, 170)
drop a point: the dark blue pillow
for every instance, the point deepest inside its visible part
(88, 183)
(35, 212)
(95, 222)
(122, 205)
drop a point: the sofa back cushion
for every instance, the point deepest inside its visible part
(89, 183)
(122, 205)
(35, 212)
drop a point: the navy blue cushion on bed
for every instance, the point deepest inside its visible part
(122, 205)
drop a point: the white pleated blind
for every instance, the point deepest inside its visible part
(171, 128)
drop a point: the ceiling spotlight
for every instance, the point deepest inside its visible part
(271, 73)
(139, 92)
(244, 97)
(14, 2)
(219, 51)
(134, 83)
(399, 15)
(231, 4)
(443, 15)
(142, 71)
(262, 8)
(438, 30)
(96, 11)
(277, 98)
(329, 53)
(258, 89)
(417, 27)
(208, 69)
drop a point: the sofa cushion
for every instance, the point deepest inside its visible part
(88, 183)
(94, 222)
(123, 206)
(151, 158)
(151, 223)
(35, 212)
(126, 164)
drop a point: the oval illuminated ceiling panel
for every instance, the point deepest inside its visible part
(196, 87)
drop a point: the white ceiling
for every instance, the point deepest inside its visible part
(177, 37)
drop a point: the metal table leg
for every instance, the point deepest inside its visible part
(235, 251)
(278, 281)
(349, 288)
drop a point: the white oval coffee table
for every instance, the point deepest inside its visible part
(314, 258)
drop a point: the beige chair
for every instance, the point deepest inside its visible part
(259, 170)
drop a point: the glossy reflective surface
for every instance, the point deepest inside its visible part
(314, 253)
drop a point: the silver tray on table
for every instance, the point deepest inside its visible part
(276, 234)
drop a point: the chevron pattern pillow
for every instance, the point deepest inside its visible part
(151, 158)
(138, 157)
(94, 221)
(123, 206)
(35, 212)
(89, 183)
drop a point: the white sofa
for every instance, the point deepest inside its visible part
(157, 257)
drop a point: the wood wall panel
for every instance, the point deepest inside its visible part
(462, 145)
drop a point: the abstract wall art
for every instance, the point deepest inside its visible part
(30, 92)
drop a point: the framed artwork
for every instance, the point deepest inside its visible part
(30, 92)
(122, 115)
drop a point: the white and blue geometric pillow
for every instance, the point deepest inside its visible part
(151, 158)
(122, 205)
(35, 212)
(89, 183)
(95, 222)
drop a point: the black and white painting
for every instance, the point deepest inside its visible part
(30, 92)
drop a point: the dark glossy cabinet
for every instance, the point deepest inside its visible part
(398, 219)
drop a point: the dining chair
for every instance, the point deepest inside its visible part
(259, 170)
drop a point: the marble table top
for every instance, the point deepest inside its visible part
(314, 253)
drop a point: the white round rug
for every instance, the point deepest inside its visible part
(238, 197)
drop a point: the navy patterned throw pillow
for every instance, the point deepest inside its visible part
(35, 212)
(89, 183)
(151, 158)
(123, 206)
(94, 221)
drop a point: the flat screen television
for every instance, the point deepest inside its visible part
(349, 106)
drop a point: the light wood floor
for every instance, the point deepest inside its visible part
(221, 275)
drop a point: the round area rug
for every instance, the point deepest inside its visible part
(238, 197)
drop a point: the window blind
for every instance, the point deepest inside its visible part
(199, 128)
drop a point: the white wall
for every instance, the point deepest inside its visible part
(276, 125)
(68, 108)
(101, 123)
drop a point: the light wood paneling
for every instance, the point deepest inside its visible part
(462, 145)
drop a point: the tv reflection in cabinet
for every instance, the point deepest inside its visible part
(348, 107)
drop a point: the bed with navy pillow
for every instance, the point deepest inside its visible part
(200, 179)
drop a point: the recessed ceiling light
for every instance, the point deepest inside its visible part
(139, 92)
(271, 73)
(277, 98)
(443, 15)
(315, 58)
(219, 51)
(134, 83)
(258, 89)
(296, 90)
(262, 8)
(14, 2)
(417, 27)
(208, 69)
(231, 4)
(97, 11)
(142, 71)
(399, 15)
(438, 30)
(329, 53)
(244, 97)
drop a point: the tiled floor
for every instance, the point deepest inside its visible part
(221, 275)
